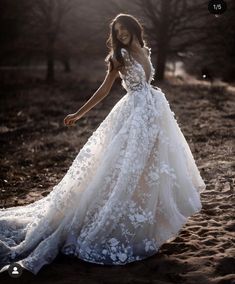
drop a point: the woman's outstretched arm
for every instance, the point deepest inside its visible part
(98, 96)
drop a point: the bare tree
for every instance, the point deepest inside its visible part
(48, 18)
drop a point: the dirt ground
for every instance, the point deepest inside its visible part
(37, 149)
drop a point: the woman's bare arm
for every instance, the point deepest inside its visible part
(98, 96)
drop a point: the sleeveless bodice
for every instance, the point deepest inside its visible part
(133, 76)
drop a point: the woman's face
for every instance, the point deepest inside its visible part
(122, 33)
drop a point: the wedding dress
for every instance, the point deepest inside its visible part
(130, 188)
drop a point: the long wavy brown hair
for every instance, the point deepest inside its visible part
(134, 28)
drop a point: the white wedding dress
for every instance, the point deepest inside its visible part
(130, 188)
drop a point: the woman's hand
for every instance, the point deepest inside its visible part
(71, 119)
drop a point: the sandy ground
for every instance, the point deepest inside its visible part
(36, 151)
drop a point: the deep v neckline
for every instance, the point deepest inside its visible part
(147, 80)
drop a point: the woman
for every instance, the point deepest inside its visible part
(131, 187)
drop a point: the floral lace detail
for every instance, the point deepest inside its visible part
(133, 76)
(130, 188)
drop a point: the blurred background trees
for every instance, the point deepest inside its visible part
(58, 34)
(172, 27)
(217, 52)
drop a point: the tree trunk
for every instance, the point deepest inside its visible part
(161, 64)
(50, 67)
(50, 76)
(163, 40)
(66, 64)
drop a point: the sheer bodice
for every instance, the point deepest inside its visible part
(133, 76)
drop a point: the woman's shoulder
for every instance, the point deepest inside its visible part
(114, 58)
(124, 53)
(115, 63)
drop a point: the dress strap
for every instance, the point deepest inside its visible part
(125, 55)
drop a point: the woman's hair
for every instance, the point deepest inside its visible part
(133, 26)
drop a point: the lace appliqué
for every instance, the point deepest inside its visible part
(133, 76)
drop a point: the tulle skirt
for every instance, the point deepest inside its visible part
(130, 189)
